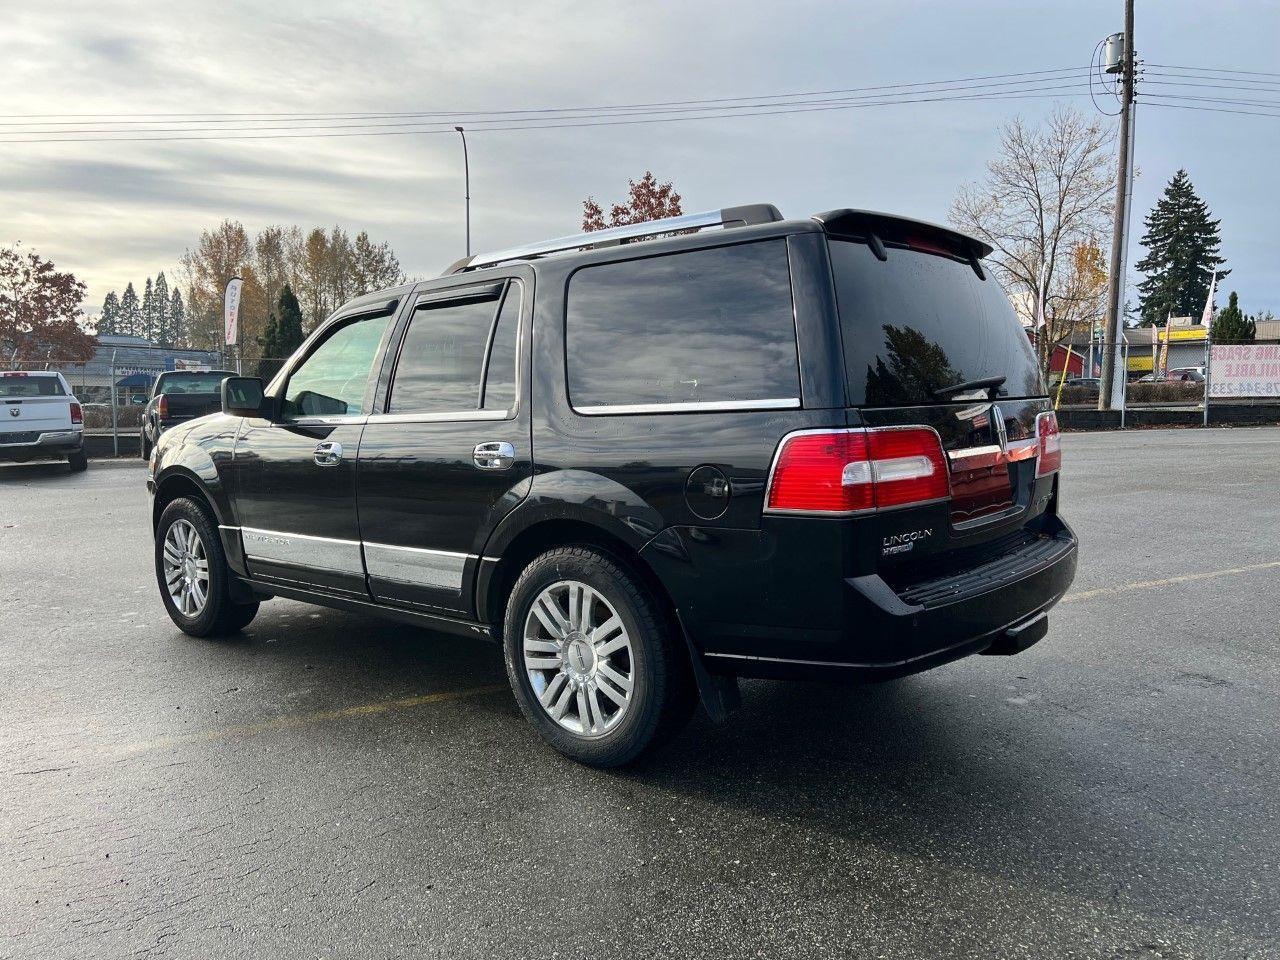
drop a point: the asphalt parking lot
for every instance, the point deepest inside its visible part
(330, 785)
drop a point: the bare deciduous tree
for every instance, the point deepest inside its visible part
(1045, 203)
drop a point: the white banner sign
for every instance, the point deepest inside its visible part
(1245, 370)
(231, 310)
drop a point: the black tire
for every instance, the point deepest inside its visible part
(78, 462)
(219, 616)
(663, 695)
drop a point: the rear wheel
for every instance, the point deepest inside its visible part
(192, 572)
(592, 658)
(78, 461)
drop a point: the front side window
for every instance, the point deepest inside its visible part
(442, 360)
(333, 380)
(708, 326)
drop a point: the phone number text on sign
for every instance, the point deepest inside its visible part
(1245, 370)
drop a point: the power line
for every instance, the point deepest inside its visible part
(1193, 79)
(727, 110)
(1181, 106)
(1252, 73)
(662, 103)
(1146, 98)
(754, 111)
(1019, 86)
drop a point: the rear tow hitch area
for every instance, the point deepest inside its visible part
(1020, 636)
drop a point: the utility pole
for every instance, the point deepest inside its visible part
(1115, 309)
(466, 167)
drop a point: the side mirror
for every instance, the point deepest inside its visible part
(242, 396)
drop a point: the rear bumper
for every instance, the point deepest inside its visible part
(883, 631)
(56, 443)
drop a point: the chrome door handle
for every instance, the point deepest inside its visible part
(493, 455)
(328, 453)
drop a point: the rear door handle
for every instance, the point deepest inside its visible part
(493, 455)
(328, 453)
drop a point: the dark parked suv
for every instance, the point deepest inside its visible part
(648, 461)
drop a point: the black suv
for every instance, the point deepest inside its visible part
(648, 460)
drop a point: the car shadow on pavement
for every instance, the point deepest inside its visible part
(41, 470)
(944, 770)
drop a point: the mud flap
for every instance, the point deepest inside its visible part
(719, 694)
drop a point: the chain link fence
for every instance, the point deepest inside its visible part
(114, 386)
(1180, 376)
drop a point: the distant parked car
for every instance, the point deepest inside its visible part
(179, 396)
(42, 420)
(1176, 375)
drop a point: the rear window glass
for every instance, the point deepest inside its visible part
(203, 382)
(11, 386)
(708, 326)
(917, 323)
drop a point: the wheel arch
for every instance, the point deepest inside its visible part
(178, 482)
(499, 576)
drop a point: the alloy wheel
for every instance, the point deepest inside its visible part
(577, 655)
(186, 568)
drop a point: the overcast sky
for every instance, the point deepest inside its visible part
(115, 212)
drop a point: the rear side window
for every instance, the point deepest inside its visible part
(706, 327)
(919, 322)
(500, 371)
(443, 363)
(23, 385)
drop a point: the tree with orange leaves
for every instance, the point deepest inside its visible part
(647, 199)
(40, 309)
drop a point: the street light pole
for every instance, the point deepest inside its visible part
(466, 167)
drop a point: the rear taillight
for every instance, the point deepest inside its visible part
(77, 415)
(851, 471)
(1050, 459)
(162, 406)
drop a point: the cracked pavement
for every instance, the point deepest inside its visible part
(331, 785)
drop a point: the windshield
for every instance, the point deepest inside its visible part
(192, 382)
(918, 323)
(25, 385)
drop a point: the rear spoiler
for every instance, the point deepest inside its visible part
(868, 224)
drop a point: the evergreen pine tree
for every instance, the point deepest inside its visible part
(1182, 252)
(289, 325)
(1232, 326)
(149, 312)
(177, 320)
(109, 319)
(160, 310)
(130, 313)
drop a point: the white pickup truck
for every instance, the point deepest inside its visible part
(40, 419)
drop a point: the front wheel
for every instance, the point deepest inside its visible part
(593, 657)
(192, 572)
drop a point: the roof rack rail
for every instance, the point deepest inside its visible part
(744, 216)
